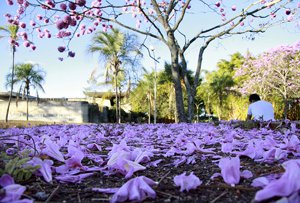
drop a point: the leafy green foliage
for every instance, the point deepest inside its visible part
(120, 53)
(17, 167)
(218, 90)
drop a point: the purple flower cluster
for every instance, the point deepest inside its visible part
(276, 70)
(125, 149)
(13, 192)
(66, 14)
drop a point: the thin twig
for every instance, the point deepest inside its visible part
(100, 199)
(52, 194)
(40, 187)
(164, 176)
(168, 194)
(217, 198)
(78, 197)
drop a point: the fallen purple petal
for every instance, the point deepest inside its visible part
(106, 190)
(287, 184)
(73, 178)
(45, 167)
(230, 170)
(136, 189)
(187, 182)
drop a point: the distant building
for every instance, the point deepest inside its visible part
(4, 96)
(93, 108)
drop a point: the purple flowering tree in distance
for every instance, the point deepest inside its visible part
(275, 72)
(159, 19)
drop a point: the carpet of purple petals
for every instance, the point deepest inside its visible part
(204, 162)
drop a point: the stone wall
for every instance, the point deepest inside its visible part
(49, 111)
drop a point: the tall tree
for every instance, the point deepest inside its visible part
(116, 49)
(277, 72)
(141, 93)
(165, 94)
(27, 75)
(219, 86)
(11, 32)
(164, 21)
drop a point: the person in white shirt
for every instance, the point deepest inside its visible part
(259, 109)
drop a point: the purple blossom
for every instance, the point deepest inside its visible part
(71, 54)
(67, 178)
(227, 147)
(106, 190)
(121, 161)
(45, 167)
(187, 182)
(13, 192)
(136, 189)
(76, 157)
(80, 2)
(52, 150)
(61, 49)
(287, 184)
(260, 182)
(63, 6)
(72, 6)
(230, 170)
(60, 24)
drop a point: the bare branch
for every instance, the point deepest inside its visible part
(171, 7)
(243, 15)
(182, 15)
(152, 23)
(138, 31)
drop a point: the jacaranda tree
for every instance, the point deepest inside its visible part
(274, 73)
(162, 20)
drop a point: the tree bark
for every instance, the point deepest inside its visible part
(189, 89)
(149, 107)
(27, 94)
(117, 98)
(285, 109)
(181, 117)
(120, 114)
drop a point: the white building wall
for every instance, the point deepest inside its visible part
(49, 111)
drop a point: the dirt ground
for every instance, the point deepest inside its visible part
(209, 191)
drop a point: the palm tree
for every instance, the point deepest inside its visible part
(27, 76)
(11, 31)
(116, 49)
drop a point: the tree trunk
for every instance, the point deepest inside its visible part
(189, 89)
(175, 67)
(192, 89)
(285, 109)
(197, 112)
(149, 107)
(12, 83)
(117, 98)
(120, 114)
(27, 94)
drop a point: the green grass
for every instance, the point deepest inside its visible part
(20, 124)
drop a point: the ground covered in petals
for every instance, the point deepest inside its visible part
(203, 162)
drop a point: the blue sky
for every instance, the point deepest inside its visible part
(68, 78)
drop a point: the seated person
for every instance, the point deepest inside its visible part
(259, 109)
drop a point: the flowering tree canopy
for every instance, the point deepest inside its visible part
(159, 19)
(275, 72)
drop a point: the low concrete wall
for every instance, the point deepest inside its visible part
(53, 111)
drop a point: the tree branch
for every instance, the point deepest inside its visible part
(181, 16)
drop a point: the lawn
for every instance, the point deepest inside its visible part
(202, 162)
